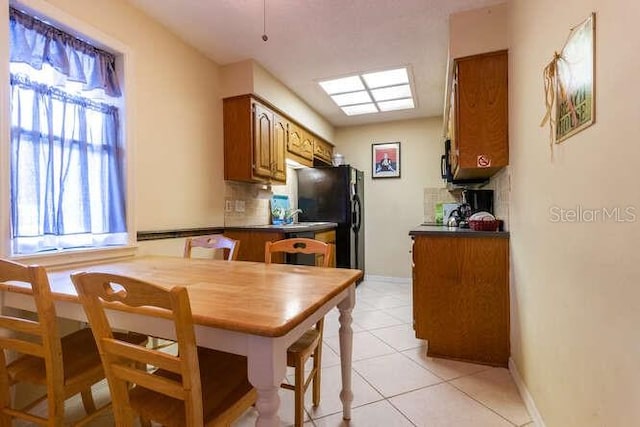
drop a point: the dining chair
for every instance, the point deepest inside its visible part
(196, 387)
(34, 353)
(310, 344)
(214, 241)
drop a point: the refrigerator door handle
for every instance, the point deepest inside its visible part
(357, 213)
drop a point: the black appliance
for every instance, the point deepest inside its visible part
(445, 168)
(479, 200)
(336, 194)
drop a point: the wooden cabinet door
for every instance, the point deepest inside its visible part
(327, 237)
(300, 144)
(280, 139)
(322, 150)
(252, 244)
(262, 140)
(481, 112)
(461, 297)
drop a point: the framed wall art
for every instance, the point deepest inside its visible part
(569, 83)
(385, 160)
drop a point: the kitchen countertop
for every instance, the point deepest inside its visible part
(299, 227)
(443, 230)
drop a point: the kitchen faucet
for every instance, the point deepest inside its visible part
(291, 215)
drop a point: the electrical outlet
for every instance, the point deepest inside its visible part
(239, 205)
(228, 206)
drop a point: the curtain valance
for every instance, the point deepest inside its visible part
(35, 43)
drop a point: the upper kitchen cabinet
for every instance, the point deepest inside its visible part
(478, 119)
(300, 145)
(255, 137)
(322, 152)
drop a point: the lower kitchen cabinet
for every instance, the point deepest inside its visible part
(327, 237)
(252, 244)
(461, 297)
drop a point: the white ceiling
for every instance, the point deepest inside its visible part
(311, 40)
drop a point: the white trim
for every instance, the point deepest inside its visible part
(388, 279)
(75, 257)
(525, 395)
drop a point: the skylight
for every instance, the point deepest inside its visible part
(375, 92)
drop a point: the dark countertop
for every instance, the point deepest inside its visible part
(300, 227)
(443, 230)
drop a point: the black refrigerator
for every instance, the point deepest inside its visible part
(336, 194)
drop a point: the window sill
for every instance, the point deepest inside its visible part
(77, 257)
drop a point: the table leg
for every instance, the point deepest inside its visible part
(267, 365)
(346, 342)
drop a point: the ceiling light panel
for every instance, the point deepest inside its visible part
(371, 92)
(396, 104)
(378, 79)
(342, 85)
(352, 98)
(354, 110)
(393, 92)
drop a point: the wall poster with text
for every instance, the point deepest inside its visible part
(575, 108)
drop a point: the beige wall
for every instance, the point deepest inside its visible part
(576, 285)
(271, 89)
(394, 206)
(250, 77)
(478, 31)
(177, 118)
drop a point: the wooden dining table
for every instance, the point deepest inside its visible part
(254, 309)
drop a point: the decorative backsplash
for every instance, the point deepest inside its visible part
(249, 203)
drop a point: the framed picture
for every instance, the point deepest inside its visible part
(385, 160)
(575, 107)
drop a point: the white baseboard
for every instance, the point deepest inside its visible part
(388, 279)
(526, 396)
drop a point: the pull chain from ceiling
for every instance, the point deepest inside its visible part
(264, 21)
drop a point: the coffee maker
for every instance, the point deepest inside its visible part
(478, 200)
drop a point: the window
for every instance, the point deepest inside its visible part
(67, 153)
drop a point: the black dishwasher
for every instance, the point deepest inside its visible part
(300, 259)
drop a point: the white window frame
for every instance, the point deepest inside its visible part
(125, 68)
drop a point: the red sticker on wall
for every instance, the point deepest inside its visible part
(483, 161)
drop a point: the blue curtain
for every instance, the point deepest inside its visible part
(36, 43)
(67, 184)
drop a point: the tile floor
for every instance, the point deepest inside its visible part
(394, 382)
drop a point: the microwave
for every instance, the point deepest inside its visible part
(445, 168)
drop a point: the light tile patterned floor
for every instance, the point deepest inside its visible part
(394, 382)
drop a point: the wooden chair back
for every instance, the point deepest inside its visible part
(125, 363)
(300, 245)
(37, 338)
(214, 241)
(310, 344)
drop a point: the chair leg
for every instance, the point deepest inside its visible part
(317, 366)
(87, 401)
(5, 393)
(299, 393)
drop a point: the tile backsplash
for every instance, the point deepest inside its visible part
(249, 203)
(433, 196)
(500, 183)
